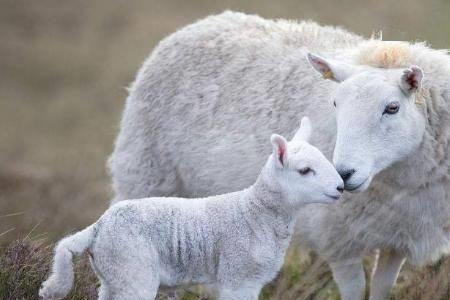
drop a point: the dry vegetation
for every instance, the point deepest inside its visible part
(63, 69)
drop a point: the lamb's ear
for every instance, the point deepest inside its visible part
(279, 144)
(411, 79)
(331, 69)
(304, 132)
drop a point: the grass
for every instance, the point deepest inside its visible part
(64, 66)
(24, 265)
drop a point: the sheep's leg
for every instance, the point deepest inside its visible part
(350, 278)
(239, 293)
(385, 272)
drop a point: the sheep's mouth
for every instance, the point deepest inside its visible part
(356, 188)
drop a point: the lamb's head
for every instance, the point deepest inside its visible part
(378, 118)
(301, 171)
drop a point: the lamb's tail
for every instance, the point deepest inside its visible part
(60, 282)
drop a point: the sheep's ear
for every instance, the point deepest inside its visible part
(279, 144)
(411, 79)
(304, 132)
(330, 69)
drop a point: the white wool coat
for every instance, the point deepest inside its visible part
(235, 77)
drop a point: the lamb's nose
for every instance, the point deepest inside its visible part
(346, 174)
(340, 189)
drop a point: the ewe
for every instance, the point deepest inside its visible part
(236, 78)
(235, 241)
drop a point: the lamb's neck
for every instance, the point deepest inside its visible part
(264, 201)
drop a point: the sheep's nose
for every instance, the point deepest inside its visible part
(340, 189)
(346, 174)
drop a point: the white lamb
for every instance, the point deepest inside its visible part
(235, 242)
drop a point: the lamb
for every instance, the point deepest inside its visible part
(234, 241)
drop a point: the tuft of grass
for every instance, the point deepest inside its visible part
(427, 283)
(24, 265)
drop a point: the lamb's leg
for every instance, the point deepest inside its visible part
(140, 285)
(103, 292)
(149, 293)
(350, 278)
(172, 295)
(128, 268)
(385, 272)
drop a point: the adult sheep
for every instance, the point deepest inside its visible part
(232, 78)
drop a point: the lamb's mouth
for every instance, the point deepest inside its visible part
(334, 197)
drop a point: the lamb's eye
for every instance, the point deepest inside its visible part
(334, 103)
(304, 171)
(392, 108)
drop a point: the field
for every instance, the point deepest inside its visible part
(64, 69)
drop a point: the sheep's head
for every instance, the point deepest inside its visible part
(378, 118)
(301, 171)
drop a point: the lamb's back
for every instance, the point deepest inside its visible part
(192, 239)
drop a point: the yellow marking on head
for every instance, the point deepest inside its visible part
(384, 54)
(420, 96)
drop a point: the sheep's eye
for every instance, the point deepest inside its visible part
(391, 108)
(334, 103)
(304, 171)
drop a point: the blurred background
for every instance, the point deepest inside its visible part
(64, 67)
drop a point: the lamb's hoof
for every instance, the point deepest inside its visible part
(45, 293)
